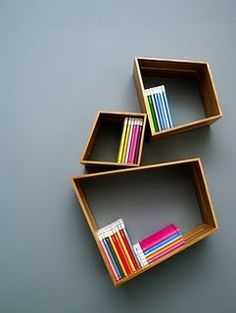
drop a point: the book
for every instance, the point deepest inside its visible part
(135, 160)
(126, 140)
(158, 108)
(167, 105)
(118, 249)
(154, 118)
(133, 141)
(130, 140)
(159, 91)
(158, 244)
(159, 236)
(121, 148)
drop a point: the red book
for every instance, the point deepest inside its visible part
(121, 253)
(129, 249)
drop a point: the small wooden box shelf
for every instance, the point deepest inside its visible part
(128, 180)
(163, 69)
(102, 146)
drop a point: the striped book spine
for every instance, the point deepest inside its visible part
(130, 141)
(118, 249)
(158, 245)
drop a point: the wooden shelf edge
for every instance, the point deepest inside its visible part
(138, 168)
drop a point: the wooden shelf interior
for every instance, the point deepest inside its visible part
(103, 143)
(190, 89)
(148, 198)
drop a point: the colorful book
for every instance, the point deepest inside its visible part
(159, 236)
(147, 91)
(133, 141)
(118, 249)
(129, 140)
(121, 148)
(167, 105)
(139, 131)
(156, 111)
(158, 108)
(147, 105)
(158, 244)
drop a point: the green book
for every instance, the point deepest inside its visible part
(152, 112)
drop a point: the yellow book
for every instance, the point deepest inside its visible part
(125, 249)
(149, 112)
(119, 159)
(126, 140)
(116, 252)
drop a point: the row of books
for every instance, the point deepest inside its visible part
(158, 245)
(118, 249)
(159, 109)
(130, 140)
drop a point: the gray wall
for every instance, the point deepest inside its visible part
(60, 62)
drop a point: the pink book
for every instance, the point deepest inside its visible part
(136, 148)
(159, 236)
(133, 143)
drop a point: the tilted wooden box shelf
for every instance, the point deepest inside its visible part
(163, 69)
(102, 146)
(140, 189)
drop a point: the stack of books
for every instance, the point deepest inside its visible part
(158, 245)
(130, 140)
(158, 107)
(118, 249)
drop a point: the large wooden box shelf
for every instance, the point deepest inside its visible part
(149, 196)
(102, 146)
(187, 75)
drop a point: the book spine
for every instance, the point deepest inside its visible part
(124, 249)
(128, 258)
(112, 257)
(140, 255)
(151, 92)
(128, 243)
(162, 244)
(140, 126)
(159, 111)
(163, 249)
(129, 140)
(126, 141)
(158, 89)
(166, 252)
(116, 252)
(167, 106)
(110, 245)
(152, 110)
(119, 159)
(147, 105)
(112, 266)
(132, 141)
(120, 251)
(159, 236)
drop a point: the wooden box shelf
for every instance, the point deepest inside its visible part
(129, 190)
(175, 72)
(102, 146)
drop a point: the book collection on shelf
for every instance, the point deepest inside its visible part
(124, 258)
(118, 249)
(130, 140)
(159, 109)
(158, 244)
